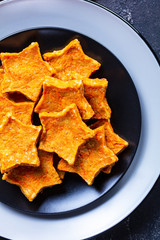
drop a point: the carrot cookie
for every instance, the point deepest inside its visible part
(33, 180)
(113, 140)
(92, 157)
(58, 94)
(64, 133)
(18, 144)
(71, 58)
(24, 72)
(94, 92)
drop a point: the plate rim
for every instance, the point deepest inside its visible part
(125, 21)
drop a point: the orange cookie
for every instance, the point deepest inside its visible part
(94, 92)
(92, 157)
(25, 72)
(33, 180)
(21, 111)
(58, 94)
(18, 144)
(71, 58)
(113, 140)
(64, 133)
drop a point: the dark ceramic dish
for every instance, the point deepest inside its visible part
(74, 195)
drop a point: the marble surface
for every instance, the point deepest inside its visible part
(144, 222)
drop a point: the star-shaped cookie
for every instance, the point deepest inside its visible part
(58, 94)
(24, 72)
(116, 143)
(22, 111)
(64, 132)
(33, 180)
(71, 58)
(18, 144)
(94, 92)
(92, 157)
(113, 140)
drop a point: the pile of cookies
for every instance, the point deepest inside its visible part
(57, 88)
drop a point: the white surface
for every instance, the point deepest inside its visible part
(124, 42)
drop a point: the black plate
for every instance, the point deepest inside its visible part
(74, 194)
